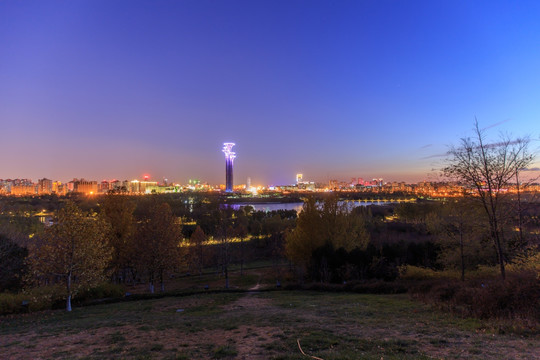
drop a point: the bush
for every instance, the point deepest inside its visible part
(11, 303)
(518, 297)
(38, 299)
(409, 272)
(51, 297)
(102, 291)
(362, 287)
(380, 287)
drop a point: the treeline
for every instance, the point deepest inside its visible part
(132, 240)
(333, 243)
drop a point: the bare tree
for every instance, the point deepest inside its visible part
(488, 169)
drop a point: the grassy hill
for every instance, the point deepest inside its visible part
(258, 325)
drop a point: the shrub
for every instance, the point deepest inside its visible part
(518, 297)
(102, 291)
(38, 299)
(362, 287)
(52, 297)
(530, 262)
(11, 303)
(409, 272)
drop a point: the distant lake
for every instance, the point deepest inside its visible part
(266, 207)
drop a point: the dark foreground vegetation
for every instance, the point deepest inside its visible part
(439, 252)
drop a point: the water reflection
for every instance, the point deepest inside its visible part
(266, 207)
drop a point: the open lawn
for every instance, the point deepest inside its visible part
(258, 325)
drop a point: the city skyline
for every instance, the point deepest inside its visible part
(95, 89)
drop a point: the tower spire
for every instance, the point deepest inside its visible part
(229, 158)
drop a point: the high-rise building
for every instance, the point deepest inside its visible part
(23, 190)
(229, 158)
(87, 187)
(58, 188)
(299, 178)
(44, 186)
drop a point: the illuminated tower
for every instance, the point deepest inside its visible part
(229, 158)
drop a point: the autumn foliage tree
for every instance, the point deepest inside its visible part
(118, 212)
(332, 224)
(197, 249)
(75, 250)
(158, 243)
(307, 236)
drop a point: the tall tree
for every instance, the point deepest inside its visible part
(241, 233)
(333, 224)
(75, 249)
(456, 227)
(159, 235)
(13, 266)
(196, 249)
(307, 236)
(488, 169)
(118, 212)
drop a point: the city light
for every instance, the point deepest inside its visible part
(229, 159)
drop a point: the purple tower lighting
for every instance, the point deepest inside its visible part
(229, 158)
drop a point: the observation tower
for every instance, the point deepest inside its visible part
(229, 158)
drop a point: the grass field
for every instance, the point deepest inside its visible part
(258, 325)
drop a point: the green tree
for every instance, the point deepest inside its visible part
(75, 249)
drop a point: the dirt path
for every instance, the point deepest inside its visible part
(251, 339)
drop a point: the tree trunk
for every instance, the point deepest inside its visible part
(68, 300)
(241, 256)
(500, 256)
(151, 283)
(520, 212)
(201, 259)
(161, 281)
(462, 255)
(226, 277)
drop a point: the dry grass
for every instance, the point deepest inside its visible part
(263, 325)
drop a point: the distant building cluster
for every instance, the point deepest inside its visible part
(25, 187)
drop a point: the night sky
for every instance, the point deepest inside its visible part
(331, 89)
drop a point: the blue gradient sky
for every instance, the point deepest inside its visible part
(332, 89)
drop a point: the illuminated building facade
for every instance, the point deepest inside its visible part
(44, 186)
(142, 187)
(229, 159)
(23, 190)
(58, 188)
(87, 187)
